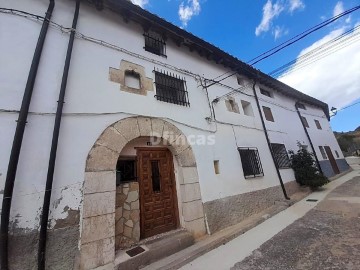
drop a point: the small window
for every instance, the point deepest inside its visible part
(337, 154)
(303, 147)
(240, 81)
(301, 106)
(251, 163)
(171, 89)
(233, 106)
(155, 176)
(125, 171)
(317, 123)
(304, 121)
(247, 108)
(265, 92)
(268, 114)
(280, 155)
(155, 44)
(216, 167)
(132, 79)
(322, 151)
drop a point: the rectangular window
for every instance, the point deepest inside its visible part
(251, 163)
(268, 114)
(155, 176)
(337, 154)
(322, 151)
(171, 89)
(301, 106)
(265, 92)
(317, 123)
(125, 171)
(280, 155)
(155, 44)
(216, 167)
(305, 122)
(247, 108)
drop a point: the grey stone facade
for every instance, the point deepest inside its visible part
(328, 170)
(231, 210)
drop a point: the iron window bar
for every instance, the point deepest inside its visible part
(154, 44)
(281, 156)
(251, 163)
(171, 88)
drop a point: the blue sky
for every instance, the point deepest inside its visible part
(247, 28)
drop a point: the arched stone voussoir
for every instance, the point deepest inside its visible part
(112, 139)
(157, 127)
(128, 127)
(170, 132)
(101, 158)
(186, 158)
(145, 126)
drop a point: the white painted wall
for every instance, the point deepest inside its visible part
(93, 102)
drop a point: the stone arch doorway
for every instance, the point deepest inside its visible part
(97, 242)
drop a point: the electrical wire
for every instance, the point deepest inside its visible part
(289, 42)
(343, 40)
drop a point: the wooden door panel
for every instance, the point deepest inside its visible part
(332, 160)
(158, 203)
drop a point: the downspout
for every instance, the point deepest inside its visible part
(18, 138)
(269, 144)
(308, 136)
(54, 145)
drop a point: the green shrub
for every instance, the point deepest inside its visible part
(306, 172)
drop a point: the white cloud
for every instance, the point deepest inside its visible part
(186, 12)
(279, 31)
(334, 79)
(140, 3)
(296, 4)
(270, 12)
(338, 9)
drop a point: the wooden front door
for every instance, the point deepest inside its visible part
(158, 202)
(332, 160)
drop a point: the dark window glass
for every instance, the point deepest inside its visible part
(337, 154)
(125, 171)
(171, 89)
(265, 92)
(317, 123)
(251, 163)
(155, 44)
(268, 114)
(322, 151)
(305, 122)
(301, 106)
(155, 175)
(280, 155)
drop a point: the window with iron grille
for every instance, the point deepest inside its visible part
(171, 89)
(154, 43)
(280, 155)
(250, 161)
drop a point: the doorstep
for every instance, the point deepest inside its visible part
(210, 242)
(152, 249)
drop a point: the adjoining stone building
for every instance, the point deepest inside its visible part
(144, 147)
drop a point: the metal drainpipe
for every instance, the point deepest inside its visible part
(18, 138)
(269, 144)
(308, 136)
(54, 145)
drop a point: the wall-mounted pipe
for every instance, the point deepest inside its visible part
(308, 136)
(18, 138)
(54, 145)
(269, 143)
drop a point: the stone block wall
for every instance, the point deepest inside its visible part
(127, 215)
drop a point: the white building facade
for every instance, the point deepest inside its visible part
(148, 142)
